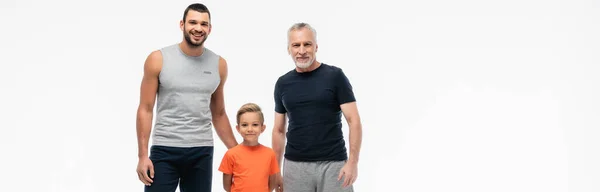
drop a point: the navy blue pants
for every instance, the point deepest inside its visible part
(190, 168)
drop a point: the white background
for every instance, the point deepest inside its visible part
(462, 95)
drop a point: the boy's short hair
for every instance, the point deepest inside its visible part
(248, 108)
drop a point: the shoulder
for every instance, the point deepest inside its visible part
(210, 54)
(268, 150)
(222, 65)
(169, 47)
(234, 151)
(159, 55)
(154, 61)
(170, 50)
(156, 55)
(331, 68)
(213, 56)
(334, 72)
(222, 62)
(237, 148)
(290, 75)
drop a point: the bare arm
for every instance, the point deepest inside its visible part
(227, 182)
(149, 86)
(278, 140)
(353, 118)
(148, 89)
(272, 182)
(217, 107)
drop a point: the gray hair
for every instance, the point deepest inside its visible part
(298, 26)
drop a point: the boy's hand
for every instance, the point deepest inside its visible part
(349, 172)
(145, 165)
(279, 181)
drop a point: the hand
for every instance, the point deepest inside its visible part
(349, 172)
(145, 165)
(279, 181)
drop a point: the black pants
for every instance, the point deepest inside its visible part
(191, 168)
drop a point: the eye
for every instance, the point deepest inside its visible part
(256, 124)
(244, 125)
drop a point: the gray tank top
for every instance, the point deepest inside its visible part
(186, 84)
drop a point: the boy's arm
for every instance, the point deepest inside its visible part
(272, 182)
(226, 167)
(227, 182)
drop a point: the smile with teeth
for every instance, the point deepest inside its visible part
(198, 35)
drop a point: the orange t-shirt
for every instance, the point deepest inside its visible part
(250, 166)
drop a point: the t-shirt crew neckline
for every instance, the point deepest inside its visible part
(190, 56)
(251, 147)
(310, 72)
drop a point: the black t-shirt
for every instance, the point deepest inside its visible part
(312, 102)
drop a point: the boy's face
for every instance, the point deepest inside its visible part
(250, 127)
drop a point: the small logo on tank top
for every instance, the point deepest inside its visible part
(207, 72)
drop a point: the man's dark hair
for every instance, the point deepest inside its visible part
(196, 7)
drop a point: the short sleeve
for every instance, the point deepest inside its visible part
(344, 91)
(279, 108)
(274, 168)
(227, 164)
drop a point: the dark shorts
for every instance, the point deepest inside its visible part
(190, 168)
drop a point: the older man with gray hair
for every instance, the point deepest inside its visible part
(314, 96)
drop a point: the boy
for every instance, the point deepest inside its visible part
(249, 166)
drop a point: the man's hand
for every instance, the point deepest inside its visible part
(148, 90)
(349, 172)
(145, 165)
(279, 183)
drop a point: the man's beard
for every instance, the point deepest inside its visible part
(188, 39)
(304, 65)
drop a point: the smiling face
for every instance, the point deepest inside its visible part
(196, 27)
(250, 126)
(302, 47)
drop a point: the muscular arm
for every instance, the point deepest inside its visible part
(227, 182)
(148, 89)
(353, 118)
(278, 140)
(217, 108)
